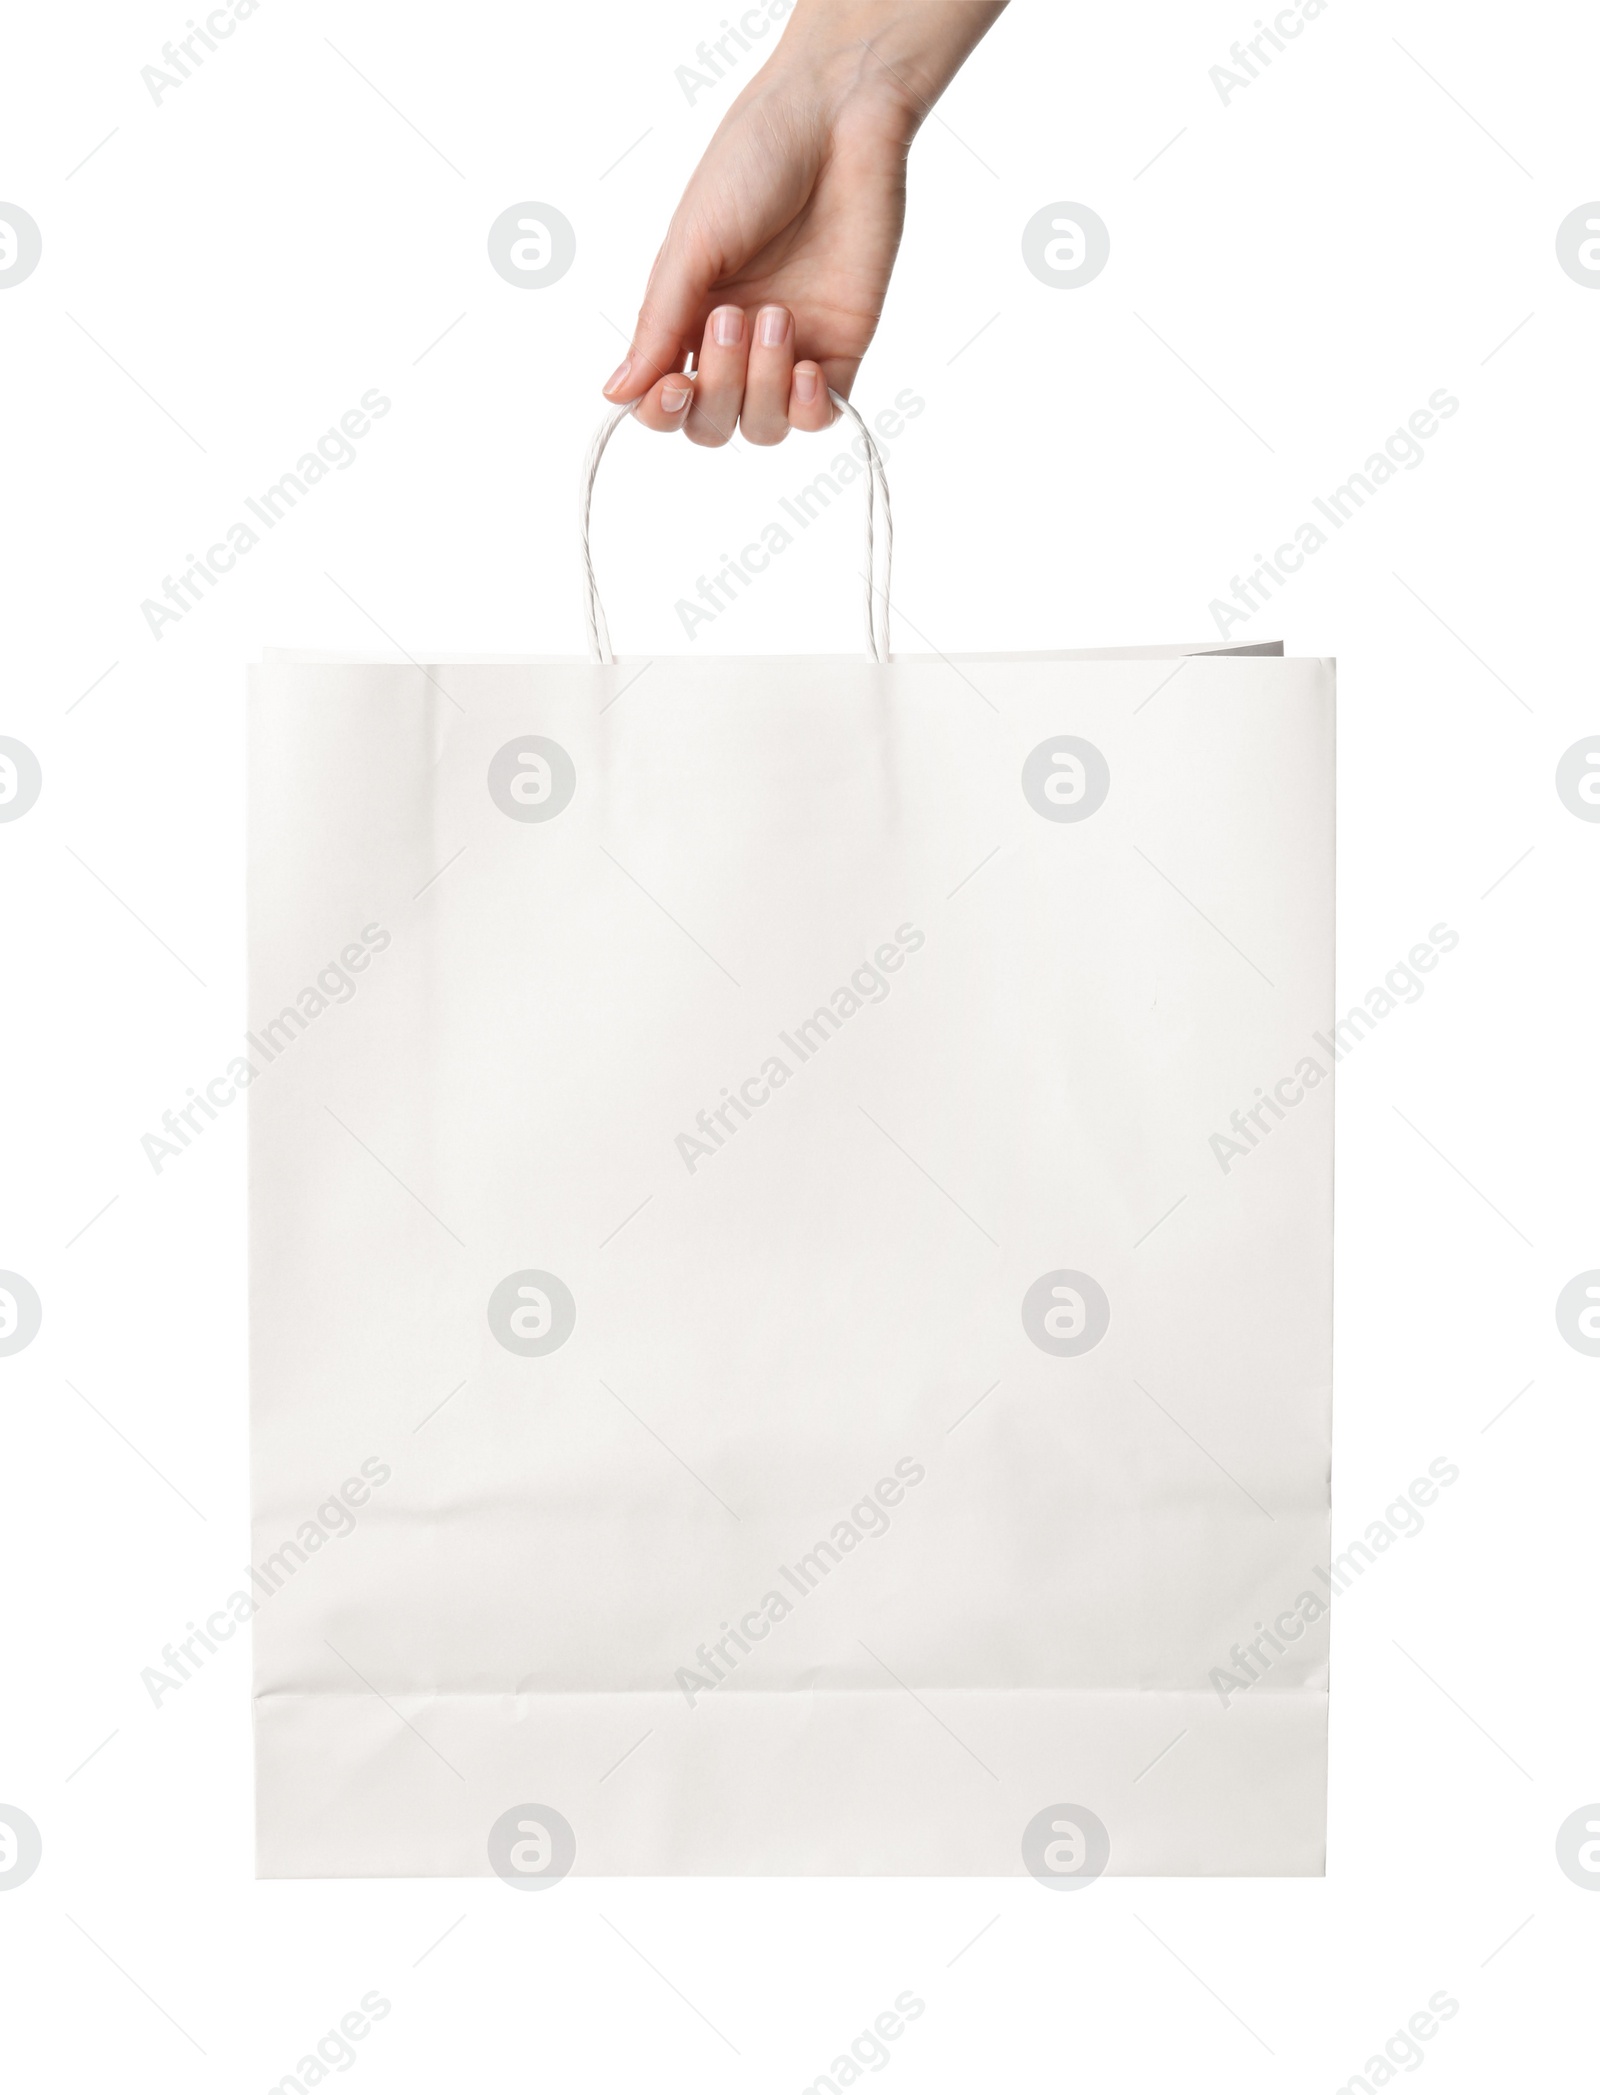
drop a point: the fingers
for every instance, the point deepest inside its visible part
(746, 378)
(764, 417)
(668, 322)
(809, 406)
(664, 407)
(655, 352)
(719, 377)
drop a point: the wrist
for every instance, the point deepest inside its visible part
(898, 55)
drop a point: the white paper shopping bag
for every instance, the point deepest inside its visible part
(791, 1264)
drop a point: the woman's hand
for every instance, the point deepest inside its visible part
(775, 266)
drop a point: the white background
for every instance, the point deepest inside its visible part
(1325, 252)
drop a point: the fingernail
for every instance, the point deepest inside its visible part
(673, 398)
(807, 381)
(772, 326)
(727, 326)
(618, 375)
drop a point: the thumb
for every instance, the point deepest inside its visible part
(669, 322)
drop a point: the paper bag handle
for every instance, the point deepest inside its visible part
(877, 492)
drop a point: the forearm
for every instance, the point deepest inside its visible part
(905, 52)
